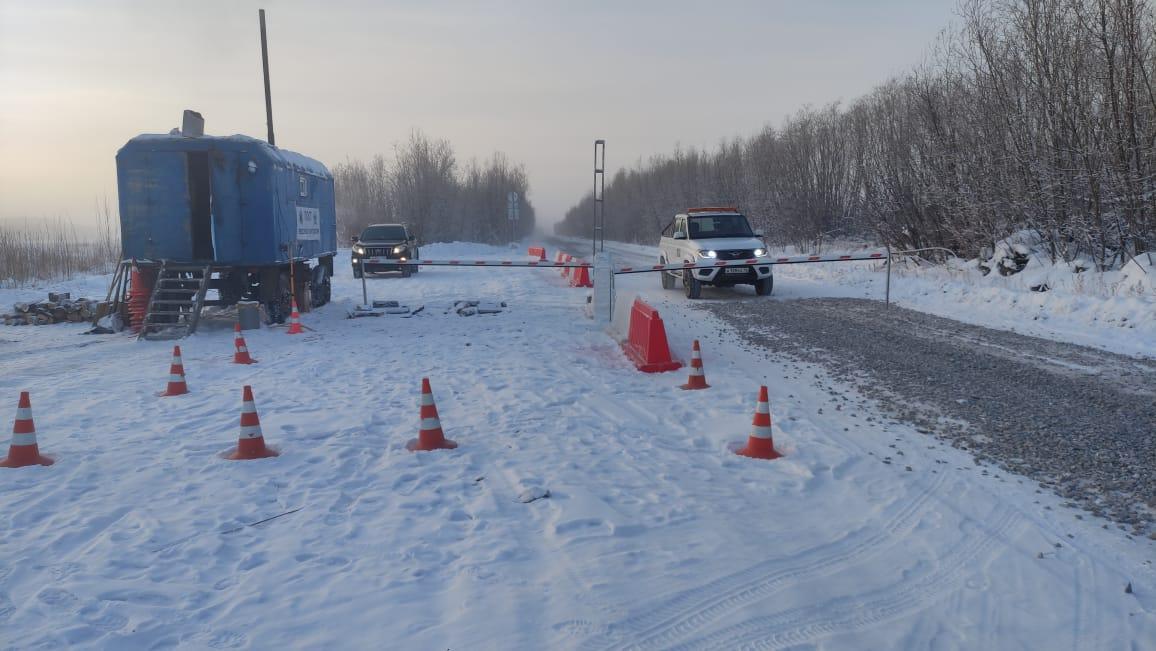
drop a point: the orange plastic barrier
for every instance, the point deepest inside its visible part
(646, 345)
(538, 252)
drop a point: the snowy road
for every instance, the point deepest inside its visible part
(867, 534)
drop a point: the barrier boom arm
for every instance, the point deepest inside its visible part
(706, 263)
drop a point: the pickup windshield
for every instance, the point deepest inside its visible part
(383, 234)
(707, 226)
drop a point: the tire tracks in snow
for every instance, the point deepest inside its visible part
(659, 626)
(851, 613)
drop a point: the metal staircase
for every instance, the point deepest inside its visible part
(177, 298)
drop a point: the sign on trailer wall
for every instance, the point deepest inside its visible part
(308, 224)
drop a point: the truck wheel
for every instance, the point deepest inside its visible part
(667, 279)
(692, 285)
(763, 287)
(321, 285)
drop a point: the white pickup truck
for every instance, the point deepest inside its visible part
(714, 234)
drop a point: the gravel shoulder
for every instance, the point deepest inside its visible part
(1078, 420)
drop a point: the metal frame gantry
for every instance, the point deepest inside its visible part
(599, 241)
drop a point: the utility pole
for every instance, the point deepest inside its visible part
(265, 69)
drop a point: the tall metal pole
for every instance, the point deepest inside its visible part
(599, 192)
(265, 69)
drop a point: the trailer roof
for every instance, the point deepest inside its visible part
(176, 141)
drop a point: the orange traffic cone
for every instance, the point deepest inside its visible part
(697, 379)
(566, 270)
(24, 451)
(242, 354)
(177, 384)
(760, 445)
(251, 443)
(294, 319)
(430, 436)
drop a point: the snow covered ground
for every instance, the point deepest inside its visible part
(655, 535)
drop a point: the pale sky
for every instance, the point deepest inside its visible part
(537, 80)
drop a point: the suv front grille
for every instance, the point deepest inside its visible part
(379, 251)
(736, 254)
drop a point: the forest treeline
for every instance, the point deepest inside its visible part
(1027, 114)
(424, 186)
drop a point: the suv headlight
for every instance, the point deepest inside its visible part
(359, 250)
(709, 254)
(398, 249)
(760, 253)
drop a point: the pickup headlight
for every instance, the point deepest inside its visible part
(760, 253)
(398, 249)
(359, 250)
(709, 254)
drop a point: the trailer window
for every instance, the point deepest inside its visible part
(304, 185)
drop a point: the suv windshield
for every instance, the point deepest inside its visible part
(383, 233)
(707, 226)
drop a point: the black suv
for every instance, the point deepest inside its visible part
(381, 246)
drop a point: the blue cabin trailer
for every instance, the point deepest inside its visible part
(248, 212)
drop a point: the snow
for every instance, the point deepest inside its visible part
(646, 529)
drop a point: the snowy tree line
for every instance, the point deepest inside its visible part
(424, 186)
(1027, 114)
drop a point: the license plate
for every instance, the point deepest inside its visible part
(376, 260)
(736, 270)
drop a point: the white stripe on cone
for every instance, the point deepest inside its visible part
(23, 413)
(251, 432)
(430, 424)
(24, 439)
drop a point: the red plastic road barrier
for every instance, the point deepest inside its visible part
(581, 277)
(646, 345)
(538, 252)
(566, 270)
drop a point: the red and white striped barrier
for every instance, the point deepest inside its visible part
(708, 263)
(705, 263)
(491, 263)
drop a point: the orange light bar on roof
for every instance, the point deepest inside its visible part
(714, 209)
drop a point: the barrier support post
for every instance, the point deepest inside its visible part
(364, 294)
(603, 287)
(887, 296)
